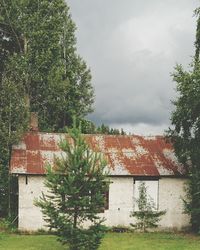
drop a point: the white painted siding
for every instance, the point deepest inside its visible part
(121, 202)
(30, 216)
(171, 194)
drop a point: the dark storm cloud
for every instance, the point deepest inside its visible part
(131, 47)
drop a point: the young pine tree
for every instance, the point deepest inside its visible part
(76, 185)
(146, 216)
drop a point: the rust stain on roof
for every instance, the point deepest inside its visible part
(126, 155)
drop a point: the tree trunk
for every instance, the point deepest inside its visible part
(75, 217)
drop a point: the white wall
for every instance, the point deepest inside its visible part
(30, 216)
(171, 192)
(121, 202)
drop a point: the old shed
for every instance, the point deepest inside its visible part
(130, 160)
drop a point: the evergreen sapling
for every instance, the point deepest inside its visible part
(147, 216)
(76, 185)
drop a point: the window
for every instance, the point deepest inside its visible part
(152, 191)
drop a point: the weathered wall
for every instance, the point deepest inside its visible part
(121, 202)
(30, 216)
(171, 193)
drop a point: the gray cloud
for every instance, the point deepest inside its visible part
(131, 47)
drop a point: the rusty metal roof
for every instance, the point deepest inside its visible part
(127, 155)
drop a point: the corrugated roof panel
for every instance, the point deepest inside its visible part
(32, 141)
(126, 155)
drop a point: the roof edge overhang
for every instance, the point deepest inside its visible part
(118, 176)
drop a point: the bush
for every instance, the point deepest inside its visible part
(7, 225)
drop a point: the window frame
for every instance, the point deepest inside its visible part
(146, 178)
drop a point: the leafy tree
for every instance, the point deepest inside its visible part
(40, 71)
(185, 130)
(76, 187)
(87, 126)
(147, 216)
(13, 108)
(13, 122)
(41, 34)
(10, 41)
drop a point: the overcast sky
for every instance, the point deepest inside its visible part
(132, 47)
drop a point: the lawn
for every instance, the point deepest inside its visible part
(112, 241)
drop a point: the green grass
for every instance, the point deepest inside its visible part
(112, 241)
(29, 242)
(150, 241)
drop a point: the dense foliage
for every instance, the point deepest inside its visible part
(13, 122)
(41, 34)
(147, 215)
(76, 185)
(88, 127)
(40, 71)
(185, 132)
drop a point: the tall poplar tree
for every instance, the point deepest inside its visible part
(185, 132)
(40, 71)
(42, 36)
